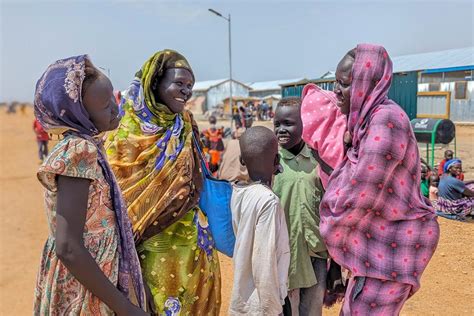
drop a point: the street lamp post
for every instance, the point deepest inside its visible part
(228, 19)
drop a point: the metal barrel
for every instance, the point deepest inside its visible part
(443, 130)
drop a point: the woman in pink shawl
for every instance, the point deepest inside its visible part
(374, 219)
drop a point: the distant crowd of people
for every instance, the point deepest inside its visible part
(13, 106)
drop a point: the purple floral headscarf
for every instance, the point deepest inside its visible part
(58, 98)
(59, 109)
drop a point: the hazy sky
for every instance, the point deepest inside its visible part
(270, 39)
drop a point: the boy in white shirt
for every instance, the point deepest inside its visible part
(262, 252)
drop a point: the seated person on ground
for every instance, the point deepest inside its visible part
(424, 184)
(448, 155)
(434, 182)
(456, 198)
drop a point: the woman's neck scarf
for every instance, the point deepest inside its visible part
(323, 126)
(59, 109)
(374, 218)
(151, 153)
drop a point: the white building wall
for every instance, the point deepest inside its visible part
(216, 94)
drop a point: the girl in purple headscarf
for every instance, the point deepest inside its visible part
(374, 220)
(89, 264)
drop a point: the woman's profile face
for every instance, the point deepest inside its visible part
(342, 87)
(99, 101)
(174, 89)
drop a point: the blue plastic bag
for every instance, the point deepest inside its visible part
(214, 201)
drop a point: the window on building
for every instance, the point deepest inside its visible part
(450, 76)
(460, 88)
(469, 75)
(434, 86)
(455, 75)
(432, 78)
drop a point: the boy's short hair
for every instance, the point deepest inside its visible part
(289, 101)
(448, 151)
(256, 141)
(212, 119)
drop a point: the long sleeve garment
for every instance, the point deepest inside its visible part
(262, 252)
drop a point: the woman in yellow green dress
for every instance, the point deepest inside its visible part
(155, 163)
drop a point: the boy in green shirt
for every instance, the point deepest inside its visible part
(299, 190)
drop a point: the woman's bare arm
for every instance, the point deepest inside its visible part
(73, 194)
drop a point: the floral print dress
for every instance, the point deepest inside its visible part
(181, 267)
(57, 291)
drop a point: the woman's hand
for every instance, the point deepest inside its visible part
(324, 166)
(347, 139)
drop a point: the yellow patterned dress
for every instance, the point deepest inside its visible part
(180, 263)
(181, 267)
(155, 164)
(57, 291)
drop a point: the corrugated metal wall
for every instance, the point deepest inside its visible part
(403, 91)
(216, 94)
(432, 106)
(461, 110)
(296, 91)
(264, 93)
(293, 91)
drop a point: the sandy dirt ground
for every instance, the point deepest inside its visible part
(447, 284)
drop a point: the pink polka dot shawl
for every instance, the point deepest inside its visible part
(323, 126)
(374, 219)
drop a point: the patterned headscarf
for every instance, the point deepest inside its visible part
(448, 164)
(371, 80)
(374, 219)
(151, 153)
(58, 98)
(141, 92)
(59, 109)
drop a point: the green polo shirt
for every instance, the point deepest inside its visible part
(425, 187)
(299, 190)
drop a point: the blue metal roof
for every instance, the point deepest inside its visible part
(432, 62)
(451, 58)
(432, 71)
